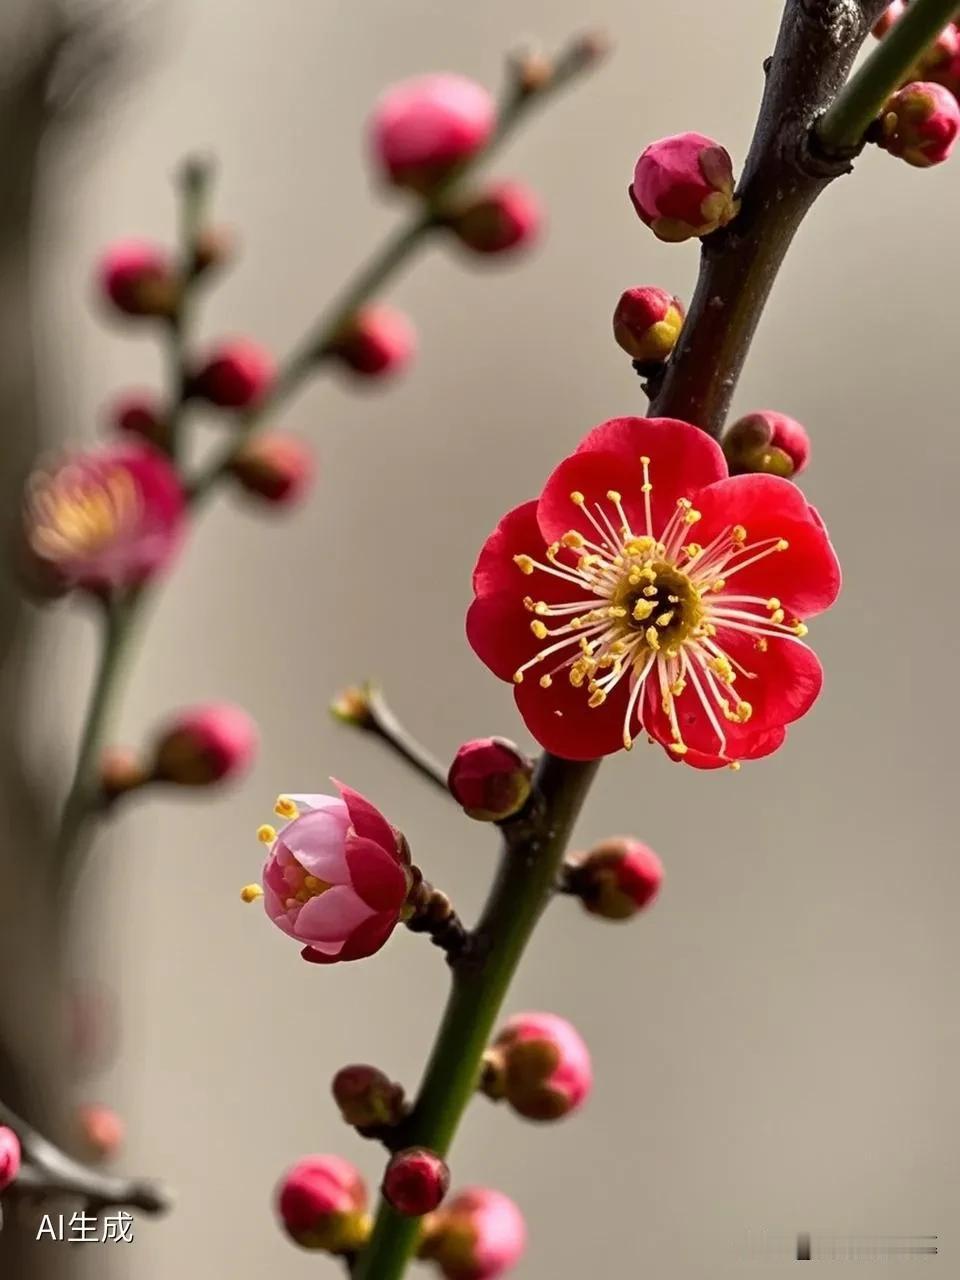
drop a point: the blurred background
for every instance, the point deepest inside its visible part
(776, 1042)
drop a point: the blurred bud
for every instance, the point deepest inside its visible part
(617, 878)
(504, 217)
(138, 413)
(352, 706)
(213, 248)
(101, 1132)
(367, 1098)
(938, 56)
(274, 467)
(9, 1157)
(491, 779)
(647, 323)
(423, 129)
(590, 47)
(919, 124)
(205, 744)
(378, 342)
(138, 279)
(893, 13)
(121, 770)
(415, 1181)
(478, 1235)
(532, 71)
(540, 1065)
(766, 442)
(322, 1204)
(235, 375)
(683, 187)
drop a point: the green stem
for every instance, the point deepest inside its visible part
(82, 798)
(844, 125)
(528, 870)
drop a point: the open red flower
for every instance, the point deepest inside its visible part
(646, 591)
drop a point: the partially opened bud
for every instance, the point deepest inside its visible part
(138, 279)
(101, 1132)
(235, 375)
(274, 468)
(507, 216)
(491, 778)
(683, 187)
(415, 1181)
(423, 129)
(617, 878)
(540, 1065)
(920, 123)
(766, 442)
(478, 1235)
(215, 742)
(367, 1098)
(377, 343)
(647, 323)
(322, 1204)
(9, 1157)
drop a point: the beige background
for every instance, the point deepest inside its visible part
(776, 1044)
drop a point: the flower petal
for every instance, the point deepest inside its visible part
(565, 725)
(375, 875)
(517, 534)
(369, 937)
(366, 819)
(316, 840)
(498, 630)
(331, 916)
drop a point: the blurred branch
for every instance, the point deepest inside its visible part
(366, 708)
(48, 1171)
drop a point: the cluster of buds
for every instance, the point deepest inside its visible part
(477, 1235)
(919, 123)
(322, 1204)
(683, 187)
(616, 879)
(766, 442)
(10, 1156)
(491, 779)
(540, 1065)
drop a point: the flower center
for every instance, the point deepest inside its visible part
(301, 885)
(649, 606)
(78, 514)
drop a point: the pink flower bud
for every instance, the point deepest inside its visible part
(491, 779)
(505, 217)
(540, 1065)
(415, 1181)
(236, 375)
(101, 1132)
(423, 129)
(138, 279)
(201, 745)
(617, 878)
(274, 468)
(478, 1235)
(893, 13)
(766, 442)
(377, 343)
(337, 876)
(683, 187)
(938, 57)
(138, 413)
(647, 323)
(321, 1202)
(9, 1157)
(107, 519)
(920, 123)
(367, 1098)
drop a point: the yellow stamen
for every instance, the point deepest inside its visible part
(286, 808)
(523, 563)
(266, 834)
(251, 892)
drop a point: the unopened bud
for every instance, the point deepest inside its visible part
(205, 744)
(423, 129)
(235, 375)
(138, 413)
(273, 467)
(477, 1235)
(647, 323)
(532, 71)
(491, 778)
(893, 13)
(617, 878)
(540, 1065)
(377, 343)
(920, 123)
(415, 1181)
(322, 1204)
(352, 706)
(766, 442)
(9, 1157)
(367, 1098)
(101, 1132)
(505, 217)
(138, 279)
(683, 187)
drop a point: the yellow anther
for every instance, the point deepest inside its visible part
(577, 498)
(613, 495)
(650, 592)
(286, 808)
(692, 516)
(518, 677)
(734, 766)
(665, 619)
(721, 666)
(528, 603)
(553, 551)
(800, 629)
(744, 711)
(597, 698)
(773, 604)
(761, 643)
(627, 741)
(523, 563)
(647, 487)
(546, 682)
(777, 616)
(673, 599)
(648, 573)
(266, 834)
(575, 624)
(692, 550)
(538, 629)
(540, 608)
(572, 539)
(652, 638)
(678, 687)
(738, 533)
(644, 461)
(579, 672)
(783, 545)
(587, 561)
(684, 504)
(640, 546)
(618, 647)
(616, 611)
(678, 748)
(642, 610)
(251, 892)
(718, 584)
